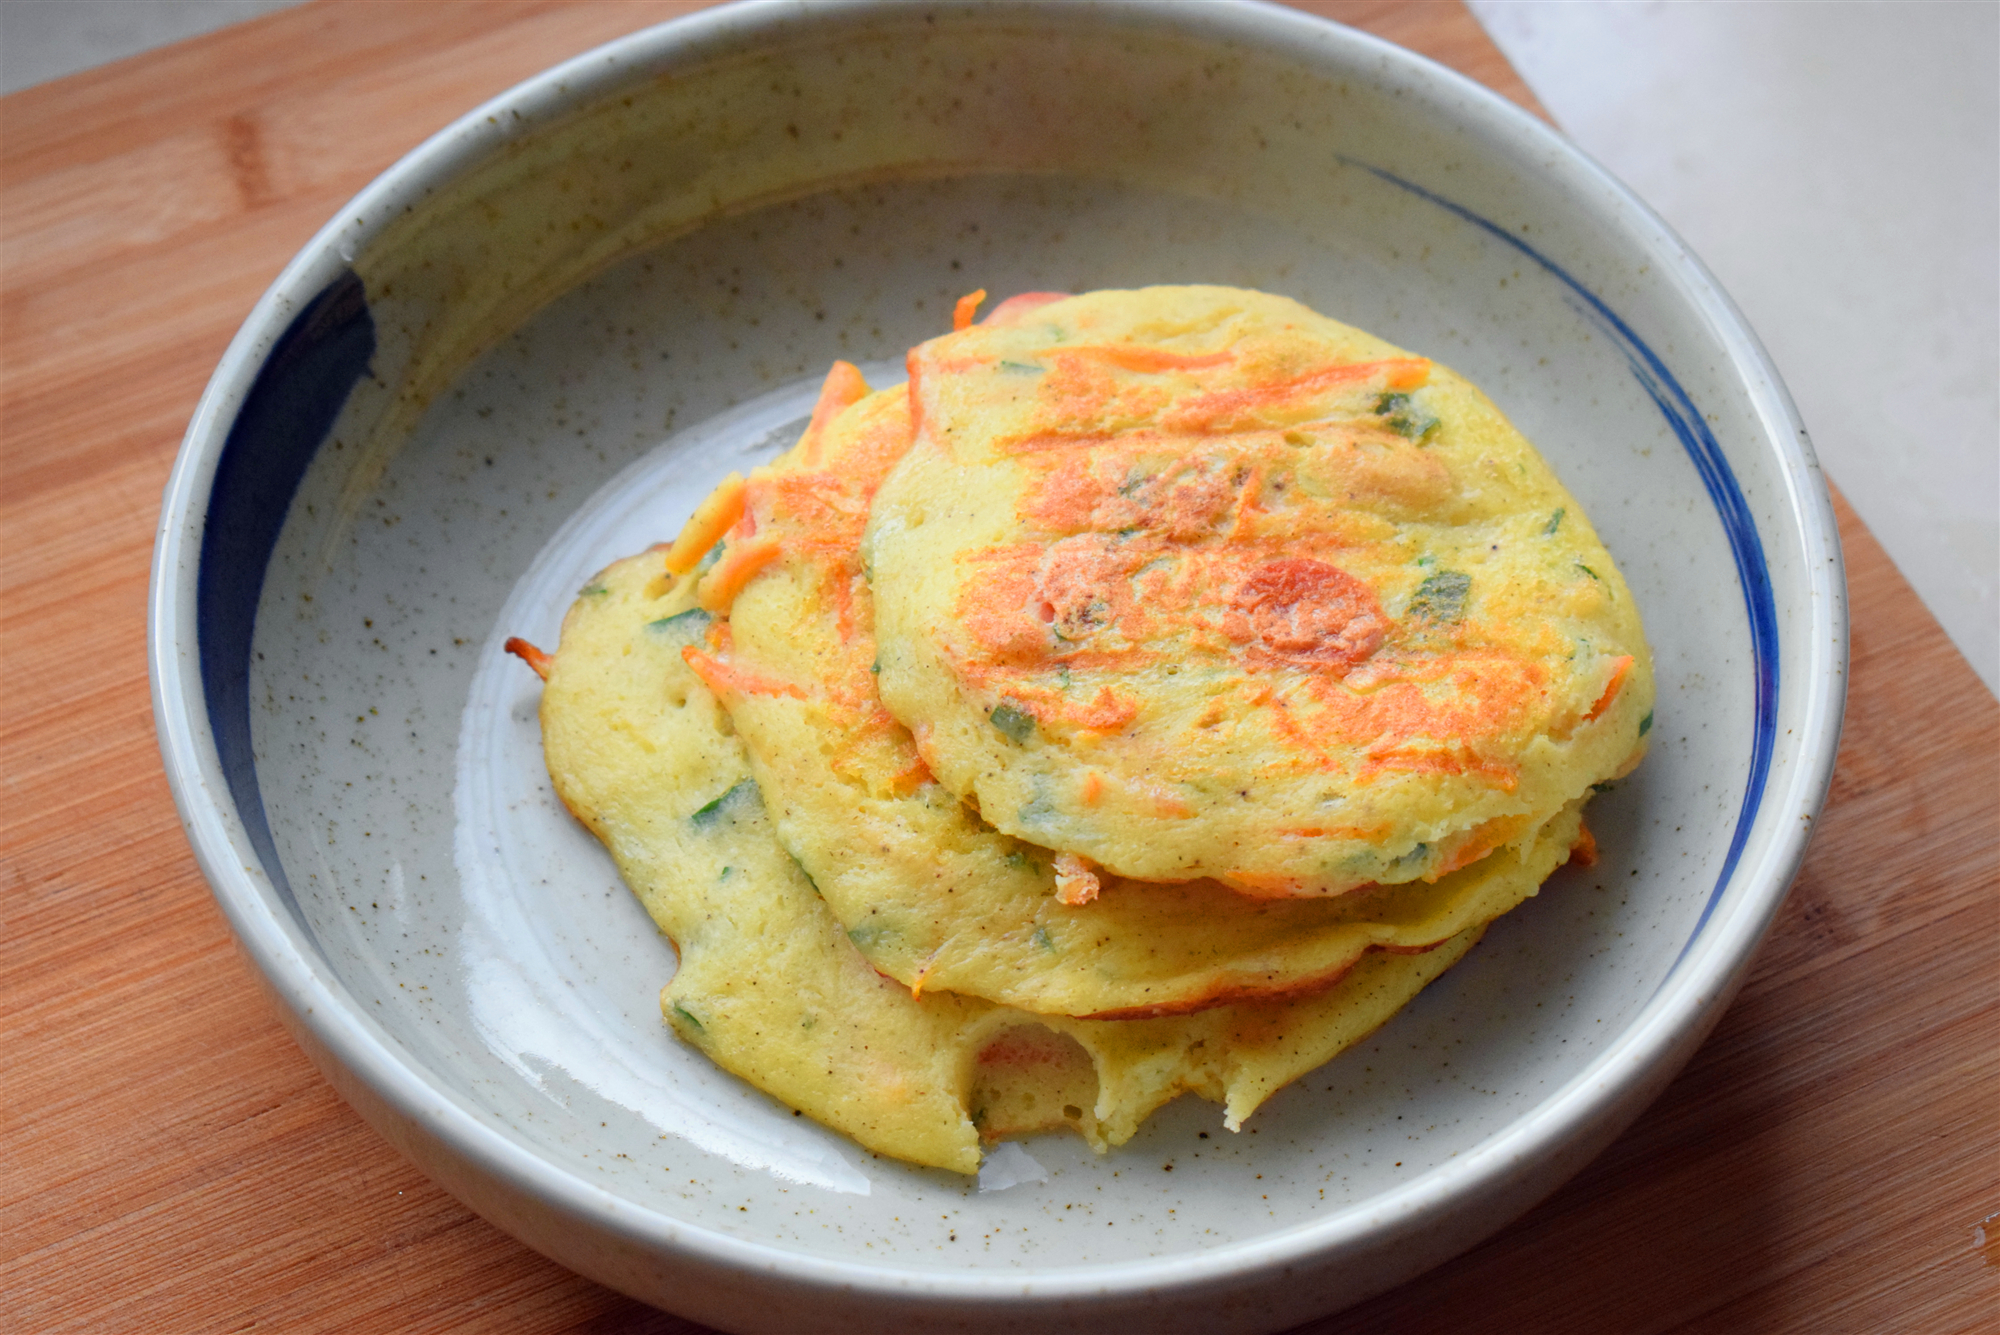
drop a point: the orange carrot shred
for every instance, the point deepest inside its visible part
(917, 983)
(1618, 675)
(1076, 883)
(1134, 357)
(1012, 309)
(721, 585)
(728, 679)
(705, 527)
(968, 306)
(530, 655)
(843, 386)
(1583, 853)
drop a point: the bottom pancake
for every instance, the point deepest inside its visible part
(771, 988)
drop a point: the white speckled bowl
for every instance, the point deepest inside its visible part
(533, 344)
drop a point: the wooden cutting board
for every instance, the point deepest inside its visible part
(172, 1163)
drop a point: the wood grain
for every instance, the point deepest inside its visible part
(171, 1161)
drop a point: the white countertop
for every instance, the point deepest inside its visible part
(1838, 167)
(1836, 164)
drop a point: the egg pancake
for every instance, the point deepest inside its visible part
(1194, 582)
(928, 893)
(771, 987)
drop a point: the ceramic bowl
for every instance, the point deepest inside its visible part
(535, 343)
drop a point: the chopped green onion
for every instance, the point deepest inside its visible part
(1015, 725)
(683, 627)
(1405, 417)
(740, 794)
(1441, 597)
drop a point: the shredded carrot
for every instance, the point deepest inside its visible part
(1460, 760)
(843, 386)
(1231, 408)
(728, 679)
(530, 655)
(1165, 804)
(968, 306)
(1136, 357)
(913, 366)
(917, 983)
(1012, 309)
(911, 777)
(1583, 853)
(1258, 885)
(1093, 788)
(1619, 672)
(1076, 882)
(720, 586)
(1475, 843)
(705, 527)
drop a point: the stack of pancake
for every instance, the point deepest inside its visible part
(1153, 695)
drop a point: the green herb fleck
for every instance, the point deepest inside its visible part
(689, 1016)
(1015, 725)
(1441, 597)
(682, 627)
(1019, 860)
(714, 554)
(1555, 521)
(867, 936)
(1022, 368)
(1604, 787)
(1043, 939)
(725, 873)
(1415, 857)
(741, 794)
(1405, 417)
(594, 589)
(1646, 723)
(1586, 570)
(1037, 810)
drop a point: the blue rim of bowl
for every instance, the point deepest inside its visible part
(1690, 427)
(239, 863)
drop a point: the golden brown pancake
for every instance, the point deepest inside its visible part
(1194, 582)
(928, 893)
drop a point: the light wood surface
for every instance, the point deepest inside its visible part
(171, 1162)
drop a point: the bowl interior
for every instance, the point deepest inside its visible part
(578, 316)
